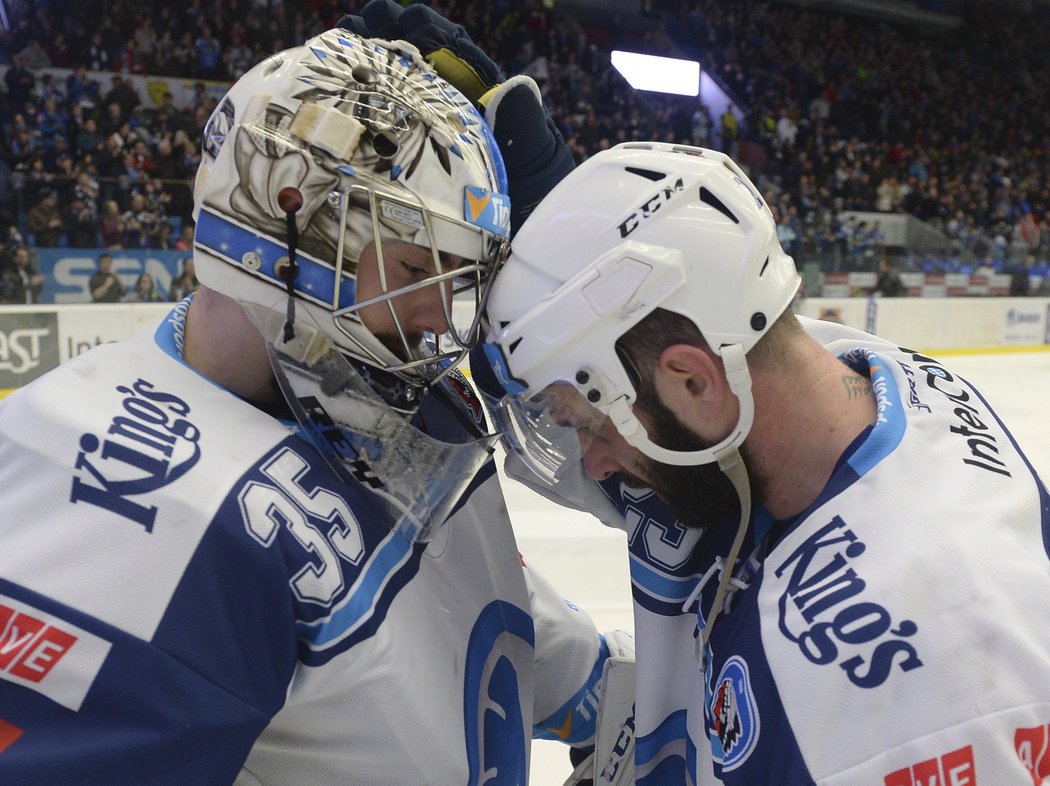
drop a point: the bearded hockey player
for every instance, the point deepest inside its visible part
(265, 543)
(845, 581)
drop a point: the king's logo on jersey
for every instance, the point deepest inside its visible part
(148, 447)
(825, 610)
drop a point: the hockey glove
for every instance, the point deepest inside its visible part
(534, 154)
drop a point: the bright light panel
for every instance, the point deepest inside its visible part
(658, 74)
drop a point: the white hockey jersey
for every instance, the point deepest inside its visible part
(189, 595)
(895, 633)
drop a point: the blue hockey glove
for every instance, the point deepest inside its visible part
(534, 153)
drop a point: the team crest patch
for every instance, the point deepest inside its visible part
(734, 715)
(465, 395)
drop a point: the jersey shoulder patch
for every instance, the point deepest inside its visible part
(456, 383)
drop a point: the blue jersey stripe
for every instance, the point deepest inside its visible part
(361, 602)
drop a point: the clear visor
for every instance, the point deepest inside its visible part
(545, 430)
(418, 478)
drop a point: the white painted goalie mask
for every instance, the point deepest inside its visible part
(354, 203)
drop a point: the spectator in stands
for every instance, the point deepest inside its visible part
(82, 223)
(185, 241)
(889, 283)
(20, 283)
(209, 50)
(161, 238)
(185, 282)
(98, 55)
(38, 181)
(139, 222)
(80, 87)
(104, 285)
(20, 84)
(45, 220)
(111, 225)
(123, 94)
(144, 291)
(730, 130)
(1028, 232)
(1020, 277)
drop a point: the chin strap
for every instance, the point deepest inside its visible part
(733, 466)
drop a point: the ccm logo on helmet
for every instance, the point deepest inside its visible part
(648, 207)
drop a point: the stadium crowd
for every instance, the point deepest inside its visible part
(838, 113)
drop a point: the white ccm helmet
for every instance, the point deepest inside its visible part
(361, 141)
(637, 227)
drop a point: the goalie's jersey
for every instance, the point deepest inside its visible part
(189, 595)
(895, 633)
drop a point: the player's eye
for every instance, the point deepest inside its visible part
(414, 270)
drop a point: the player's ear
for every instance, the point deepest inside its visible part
(691, 382)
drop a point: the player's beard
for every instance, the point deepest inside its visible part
(392, 341)
(699, 495)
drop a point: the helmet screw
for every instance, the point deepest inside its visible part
(251, 260)
(582, 377)
(593, 395)
(758, 321)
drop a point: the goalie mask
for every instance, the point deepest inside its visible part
(354, 204)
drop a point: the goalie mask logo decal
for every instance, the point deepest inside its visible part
(733, 715)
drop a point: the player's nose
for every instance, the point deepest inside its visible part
(599, 460)
(431, 314)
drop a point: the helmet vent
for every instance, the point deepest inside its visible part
(764, 266)
(514, 345)
(648, 174)
(710, 199)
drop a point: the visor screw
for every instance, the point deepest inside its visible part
(251, 260)
(758, 321)
(593, 395)
(582, 377)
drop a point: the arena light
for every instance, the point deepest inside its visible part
(658, 74)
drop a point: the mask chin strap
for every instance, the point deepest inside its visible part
(726, 453)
